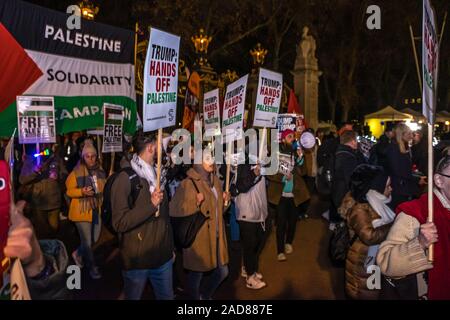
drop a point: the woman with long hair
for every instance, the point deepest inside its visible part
(85, 188)
(405, 186)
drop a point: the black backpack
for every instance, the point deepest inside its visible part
(340, 243)
(107, 208)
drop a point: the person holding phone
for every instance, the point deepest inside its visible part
(85, 188)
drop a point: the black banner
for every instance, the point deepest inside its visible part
(40, 29)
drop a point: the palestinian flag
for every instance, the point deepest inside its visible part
(81, 68)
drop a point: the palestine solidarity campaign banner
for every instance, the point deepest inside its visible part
(268, 99)
(161, 80)
(81, 68)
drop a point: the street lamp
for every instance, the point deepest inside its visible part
(201, 42)
(258, 54)
(88, 9)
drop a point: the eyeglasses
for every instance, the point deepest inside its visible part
(444, 175)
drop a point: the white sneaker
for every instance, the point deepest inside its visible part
(288, 248)
(282, 257)
(244, 274)
(77, 259)
(62, 217)
(95, 273)
(254, 283)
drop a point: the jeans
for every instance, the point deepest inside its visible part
(160, 278)
(286, 223)
(252, 240)
(89, 234)
(212, 281)
(234, 226)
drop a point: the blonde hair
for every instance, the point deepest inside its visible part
(400, 130)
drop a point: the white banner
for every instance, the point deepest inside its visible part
(268, 99)
(79, 77)
(430, 61)
(161, 80)
(36, 119)
(211, 113)
(233, 110)
(113, 128)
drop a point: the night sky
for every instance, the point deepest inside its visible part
(372, 69)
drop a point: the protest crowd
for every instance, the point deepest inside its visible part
(174, 223)
(142, 218)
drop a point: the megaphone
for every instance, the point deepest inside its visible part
(307, 140)
(44, 153)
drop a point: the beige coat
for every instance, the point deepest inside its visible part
(202, 255)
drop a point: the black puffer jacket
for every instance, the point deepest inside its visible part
(346, 161)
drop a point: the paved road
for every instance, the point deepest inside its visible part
(306, 275)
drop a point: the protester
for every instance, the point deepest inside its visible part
(287, 192)
(419, 151)
(85, 189)
(403, 256)
(42, 185)
(209, 252)
(346, 160)
(405, 186)
(44, 262)
(369, 219)
(250, 195)
(145, 232)
(378, 152)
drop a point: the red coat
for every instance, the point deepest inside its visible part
(439, 276)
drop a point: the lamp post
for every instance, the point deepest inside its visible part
(258, 54)
(201, 42)
(88, 9)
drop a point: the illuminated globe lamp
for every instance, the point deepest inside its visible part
(201, 43)
(258, 54)
(88, 9)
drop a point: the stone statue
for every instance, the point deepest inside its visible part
(307, 46)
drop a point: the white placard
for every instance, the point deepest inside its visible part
(211, 113)
(268, 99)
(233, 110)
(113, 128)
(36, 119)
(161, 80)
(430, 61)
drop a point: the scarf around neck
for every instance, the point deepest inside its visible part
(379, 202)
(145, 171)
(205, 175)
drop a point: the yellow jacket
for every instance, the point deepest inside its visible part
(80, 205)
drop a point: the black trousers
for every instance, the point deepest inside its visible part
(286, 223)
(252, 241)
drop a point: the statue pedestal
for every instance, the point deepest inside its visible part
(306, 79)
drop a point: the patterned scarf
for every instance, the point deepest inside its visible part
(95, 178)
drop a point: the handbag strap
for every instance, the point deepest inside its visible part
(195, 185)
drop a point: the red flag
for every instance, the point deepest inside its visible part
(294, 107)
(18, 70)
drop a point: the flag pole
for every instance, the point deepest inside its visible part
(419, 76)
(158, 164)
(227, 179)
(430, 185)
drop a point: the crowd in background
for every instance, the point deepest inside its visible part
(377, 212)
